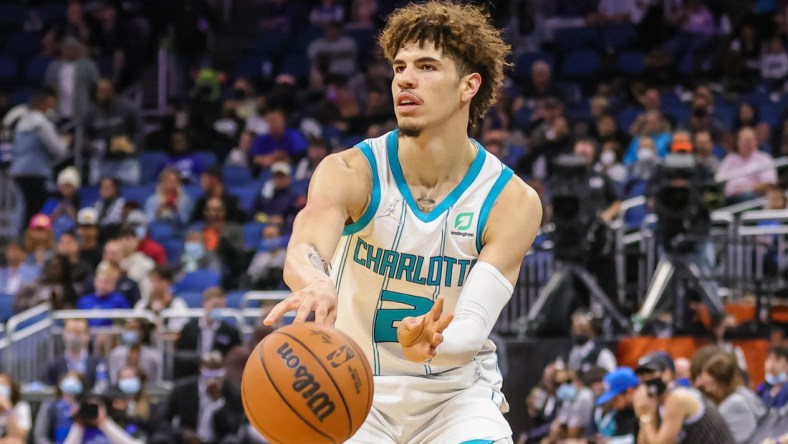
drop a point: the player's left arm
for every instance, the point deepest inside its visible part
(454, 340)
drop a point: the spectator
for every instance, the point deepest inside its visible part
(37, 149)
(76, 357)
(182, 160)
(54, 418)
(135, 351)
(170, 203)
(697, 30)
(325, 12)
(120, 41)
(609, 165)
(334, 52)
(88, 234)
(161, 298)
(115, 130)
(134, 409)
(542, 406)
(235, 360)
(541, 85)
(53, 286)
(16, 274)
(222, 238)
(607, 130)
(586, 353)
(137, 221)
(213, 186)
(654, 127)
(68, 247)
(720, 380)
(74, 77)
(66, 204)
(615, 11)
(577, 407)
(316, 151)
(77, 25)
(650, 100)
(747, 116)
(39, 240)
(206, 334)
(702, 115)
(105, 296)
(619, 421)
(774, 392)
(704, 151)
(721, 327)
(103, 427)
(265, 271)
(774, 63)
(746, 158)
(208, 407)
(15, 414)
(683, 366)
(110, 206)
(276, 201)
(135, 264)
(667, 413)
(279, 144)
(239, 156)
(114, 256)
(558, 140)
(196, 256)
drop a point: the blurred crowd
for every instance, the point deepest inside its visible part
(118, 210)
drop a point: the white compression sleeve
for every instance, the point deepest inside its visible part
(483, 297)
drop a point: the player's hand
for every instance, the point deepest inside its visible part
(420, 336)
(319, 297)
(642, 403)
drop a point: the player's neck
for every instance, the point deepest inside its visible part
(436, 157)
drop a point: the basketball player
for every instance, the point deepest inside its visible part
(425, 232)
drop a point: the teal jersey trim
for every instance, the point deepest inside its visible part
(495, 191)
(449, 201)
(478, 441)
(365, 218)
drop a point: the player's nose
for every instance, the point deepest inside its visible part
(405, 78)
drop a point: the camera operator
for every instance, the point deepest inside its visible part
(604, 202)
(667, 413)
(91, 420)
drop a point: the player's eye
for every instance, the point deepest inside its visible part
(399, 69)
(428, 67)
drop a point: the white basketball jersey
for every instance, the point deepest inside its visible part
(395, 260)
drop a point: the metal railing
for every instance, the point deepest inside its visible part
(27, 348)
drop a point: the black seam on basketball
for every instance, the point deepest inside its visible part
(328, 373)
(273, 384)
(365, 363)
(248, 409)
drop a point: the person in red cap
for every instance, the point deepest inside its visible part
(39, 240)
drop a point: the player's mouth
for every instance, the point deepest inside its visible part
(407, 102)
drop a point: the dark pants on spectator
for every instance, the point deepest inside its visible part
(34, 192)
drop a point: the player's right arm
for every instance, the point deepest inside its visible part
(339, 192)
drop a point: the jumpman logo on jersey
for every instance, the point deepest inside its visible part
(389, 211)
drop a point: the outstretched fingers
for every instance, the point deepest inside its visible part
(279, 310)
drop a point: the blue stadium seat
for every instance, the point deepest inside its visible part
(197, 280)
(193, 299)
(626, 117)
(297, 66)
(8, 68)
(6, 306)
(245, 195)
(618, 37)
(88, 195)
(573, 39)
(254, 67)
(631, 62)
(138, 193)
(174, 250)
(236, 176)
(300, 187)
(163, 231)
(151, 163)
(206, 158)
(22, 44)
(193, 190)
(36, 68)
(580, 64)
(253, 234)
(234, 298)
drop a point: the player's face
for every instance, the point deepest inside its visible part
(426, 88)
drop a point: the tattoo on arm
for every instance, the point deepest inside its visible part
(317, 261)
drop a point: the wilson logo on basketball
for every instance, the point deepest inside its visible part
(317, 401)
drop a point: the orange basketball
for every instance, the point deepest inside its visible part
(307, 383)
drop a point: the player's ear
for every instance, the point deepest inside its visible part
(470, 86)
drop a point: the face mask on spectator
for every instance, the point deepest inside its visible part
(72, 342)
(776, 379)
(130, 386)
(645, 154)
(566, 392)
(607, 158)
(5, 391)
(139, 231)
(215, 314)
(71, 386)
(194, 250)
(129, 337)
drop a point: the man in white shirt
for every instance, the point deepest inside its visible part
(746, 158)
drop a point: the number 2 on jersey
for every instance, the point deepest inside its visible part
(385, 331)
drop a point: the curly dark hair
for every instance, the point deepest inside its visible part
(463, 32)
